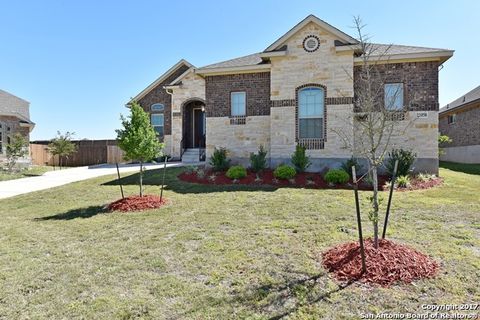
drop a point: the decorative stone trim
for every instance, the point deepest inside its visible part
(234, 120)
(283, 103)
(311, 38)
(338, 100)
(312, 143)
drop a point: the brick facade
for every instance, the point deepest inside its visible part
(14, 124)
(420, 81)
(465, 131)
(256, 86)
(159, 95)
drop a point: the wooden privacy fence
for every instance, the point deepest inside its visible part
(89, 152)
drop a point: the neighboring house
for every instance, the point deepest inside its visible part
(14, 118)
(460, 120)
(297, 91)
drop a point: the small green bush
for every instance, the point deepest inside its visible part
(337, 176)
(236, 172)
(219, 160)
(258, 161)
(300, 160)
(403, 181)
(284, 172)
(347, 165)
(405, 161)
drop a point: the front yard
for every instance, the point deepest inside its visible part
(30, 172)
(223, 252)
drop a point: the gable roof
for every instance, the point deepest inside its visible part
(14, 106)
(311, 18)
(467, 98)
(160, 79)
(249, 60)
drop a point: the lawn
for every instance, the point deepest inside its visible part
(30, 172)
(223, 252)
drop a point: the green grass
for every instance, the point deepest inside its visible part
(30, 172)
(461, 167)
(222, 252)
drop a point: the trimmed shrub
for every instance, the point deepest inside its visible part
(403, 181)
(300, 160)
(347, 165)
(284, 172)
(219, 160)
(258, 161)
(236, 172)
(405, 161)
(337, 176)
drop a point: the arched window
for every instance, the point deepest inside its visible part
(311, 106)
(157, 107)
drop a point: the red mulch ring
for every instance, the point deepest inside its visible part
(136, 203)
(418, 184)
(266, 178)
(390, 263)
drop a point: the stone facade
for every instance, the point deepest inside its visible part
(219, 88)
(9, 126)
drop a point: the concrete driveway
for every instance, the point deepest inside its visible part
(57, 178)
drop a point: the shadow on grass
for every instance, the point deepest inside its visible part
(154, 178)
(461, 167)
(76, 213)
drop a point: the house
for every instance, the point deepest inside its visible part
(14, 118)
(296, 91)
(460, 121)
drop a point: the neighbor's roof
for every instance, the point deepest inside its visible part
(14, 106)
(467, 98)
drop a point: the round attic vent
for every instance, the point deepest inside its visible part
(311, 43)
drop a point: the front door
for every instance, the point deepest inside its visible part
(198, 128)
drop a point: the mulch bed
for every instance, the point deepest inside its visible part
(390, 263)
(302, 180)
(136, 203)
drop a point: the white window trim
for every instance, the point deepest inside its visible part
(322, 117)
(154, 126)
(244, 103)
(402, 96)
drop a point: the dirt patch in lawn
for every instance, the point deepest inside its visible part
(390, 263)
(136, 203)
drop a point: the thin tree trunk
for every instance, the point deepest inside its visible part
(141, 178)
(375, 206)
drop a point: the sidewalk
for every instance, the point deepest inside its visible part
(57, 178)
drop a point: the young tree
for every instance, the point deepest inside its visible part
(16, 149)
(138, 139)
(62, 146)
(377, 116)
(443, 140)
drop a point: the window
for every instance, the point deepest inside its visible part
(157, 123)
(238, 103)
(451, 118)
(311, 104)
(394, 96)
(157, 107)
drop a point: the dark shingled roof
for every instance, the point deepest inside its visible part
(463, 100)
(379, 49)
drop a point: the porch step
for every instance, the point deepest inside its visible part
(191, 156)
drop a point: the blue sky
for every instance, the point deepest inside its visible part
(78, 62)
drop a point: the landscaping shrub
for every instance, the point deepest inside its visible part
(236, 172)
(300, 160)
(284, 172)
(337, 176)
(347, 165)
(405, 161)
(219, 160)
(403, 181)
(258, 161)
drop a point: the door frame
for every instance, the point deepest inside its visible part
(193, 124)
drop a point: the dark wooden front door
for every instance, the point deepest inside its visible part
(198, 128)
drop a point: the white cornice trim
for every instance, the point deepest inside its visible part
(160, 79)
(442, 56)
(230, 70)
(311, 18)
